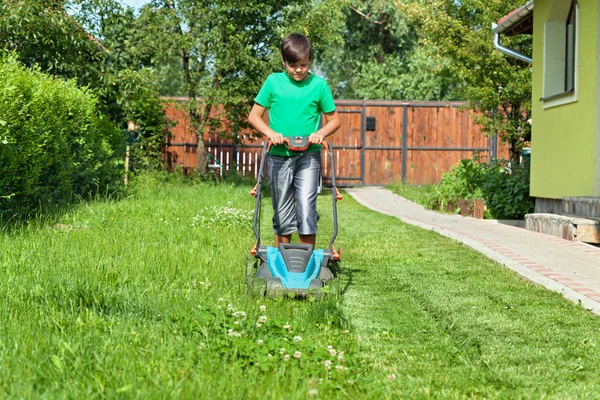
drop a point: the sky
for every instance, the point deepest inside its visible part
(134, 3)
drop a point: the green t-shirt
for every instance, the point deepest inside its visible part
(295, 107)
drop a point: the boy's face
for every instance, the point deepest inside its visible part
(298, 70)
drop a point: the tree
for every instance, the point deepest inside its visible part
(498, 88)
(377, 55)
(41, 33)
(223, 50)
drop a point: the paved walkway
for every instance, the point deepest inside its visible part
(570, 268)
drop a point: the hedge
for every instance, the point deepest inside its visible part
(54, 144)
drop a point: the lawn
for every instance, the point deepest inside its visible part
(144, 297)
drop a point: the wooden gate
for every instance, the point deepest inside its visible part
(379, 143)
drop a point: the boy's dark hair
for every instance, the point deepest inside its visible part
(295, 47)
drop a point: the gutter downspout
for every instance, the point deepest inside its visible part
(506, 50)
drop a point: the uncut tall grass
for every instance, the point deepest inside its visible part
(103, 301)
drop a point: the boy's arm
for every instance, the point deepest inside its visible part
(256, 120)
(332, 124)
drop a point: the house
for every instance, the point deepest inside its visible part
(565, 140)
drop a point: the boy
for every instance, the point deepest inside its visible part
(295, 100)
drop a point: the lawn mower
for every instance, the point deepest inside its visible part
(297, 270)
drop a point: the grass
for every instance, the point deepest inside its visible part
(420, 194)
(145, 298)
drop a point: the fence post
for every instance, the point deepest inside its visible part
(494, 147)
(363, 140)
(404, 141)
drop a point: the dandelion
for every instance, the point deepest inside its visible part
(259, 342)
(286, 357)
(297, 355)
(263, 309)
(327, 364)
(297, 339)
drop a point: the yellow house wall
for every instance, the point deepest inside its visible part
(564, 138)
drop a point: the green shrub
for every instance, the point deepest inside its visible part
(504, 188)
(54, 145)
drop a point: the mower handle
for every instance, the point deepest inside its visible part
(300, 144)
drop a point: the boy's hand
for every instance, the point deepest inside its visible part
(276, 138)
(316, 138)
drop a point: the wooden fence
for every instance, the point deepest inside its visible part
(378, 143)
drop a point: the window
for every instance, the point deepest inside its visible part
(561, 54)
(570, 49)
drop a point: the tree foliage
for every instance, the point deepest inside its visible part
(41, 33)
(379, 56)
(497, 87)
(220, 50)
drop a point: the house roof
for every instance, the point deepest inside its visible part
(517, 22)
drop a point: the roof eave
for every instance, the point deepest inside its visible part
(517, 22)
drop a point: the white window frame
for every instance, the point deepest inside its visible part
(555, 90)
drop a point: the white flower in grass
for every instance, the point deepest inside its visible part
(269, 355)
(220, 300)
(263, 309)
(281, 350)
(331, 351)
(240, 314)
(346, 331)
(201, 346)
(229, 307)
(350, 382)
(286, 357)
(341, 357)
(236, 322)
(259, 342)
(262, 319)
(313, 392)
(258, 324)
(287, 326)
(391, 377)
(327, 364)
(340, 367)
(297, 339)
(297, 354)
